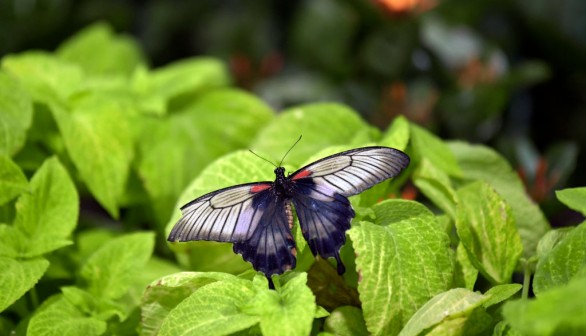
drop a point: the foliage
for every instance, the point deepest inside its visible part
(141, 142)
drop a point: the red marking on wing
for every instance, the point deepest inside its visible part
(259, 187)
(302, 174)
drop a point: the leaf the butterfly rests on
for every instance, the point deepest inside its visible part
(257, 217)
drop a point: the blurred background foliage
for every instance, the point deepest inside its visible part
(508, 73)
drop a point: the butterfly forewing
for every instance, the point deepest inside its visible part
(356, 170)
(225, 215)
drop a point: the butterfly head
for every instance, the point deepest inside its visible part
(280, 171)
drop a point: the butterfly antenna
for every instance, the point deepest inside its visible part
(250, 150)
(280, 163)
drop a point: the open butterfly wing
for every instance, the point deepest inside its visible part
(225, 215)
(353, 171)
(247, 215)
(322, 188)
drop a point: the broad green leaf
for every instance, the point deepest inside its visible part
(46, 78)
(16, 111)
(574, 198)
(455, 303)
(48, 214)
(59, 317)
(99, 51)
(465, 274)
(17, 277)
(111, 269)
(322, 125)
(287, 311)
(346, 321)
(392, 211)
(550, 240)
(559, 311)
(435, 185)
(500, 293)
(186, 141)
(565, 260)
(475, 322)
(402, 266)
(12, 179)
(483, 163)
(183, 78)
(397, 135)
(487, 230)
(13, 242)
(215, 309)
(98, 136)
(166, 293)
(427, 145)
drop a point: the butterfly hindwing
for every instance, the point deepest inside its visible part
(225, 215)
(324, 216)
(270, 247)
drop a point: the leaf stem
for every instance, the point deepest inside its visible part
(526, 280)
(34, 297)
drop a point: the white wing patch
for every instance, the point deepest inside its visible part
(226, 215)
(353, 171)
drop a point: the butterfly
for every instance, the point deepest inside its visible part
(257, 217)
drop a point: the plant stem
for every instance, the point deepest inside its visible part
(526, 281)
(34, 298)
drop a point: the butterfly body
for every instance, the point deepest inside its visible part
(257, 217)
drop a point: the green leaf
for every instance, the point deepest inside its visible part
(550, 240)
(483, 163)
(397, 135)
(346, 321)
(48, 214)
(99, 51)
(186, 77)
(465, 274)
(322, 125)
(59, 317)
(13, 242)
(402, 266)
(565, 260)
(392, 211)
(436, 185)
(98, 136)
(17, 277)
(475, 323)
(111, 269)
(427, 145)
(500, 293)
(231, 115)
(215, 309)
(12, 180)
(503, 329)
(16, 112)
(46, 78)
(574, 198)
(455, 303)
(487, 230)
(287, 311)
(559, 311)
(166, 293)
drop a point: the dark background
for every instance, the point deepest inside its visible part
(510, 74)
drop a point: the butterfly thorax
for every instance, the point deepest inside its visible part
(282, 186)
